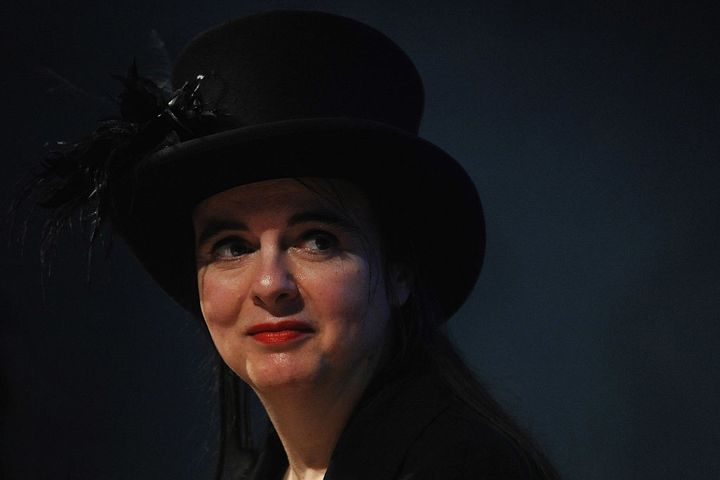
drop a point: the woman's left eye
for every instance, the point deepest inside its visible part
(230, 248)
(319, 242)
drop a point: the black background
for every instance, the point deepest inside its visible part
(591, 131)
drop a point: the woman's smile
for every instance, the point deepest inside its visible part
(280, 333)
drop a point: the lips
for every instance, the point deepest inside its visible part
(279, 332)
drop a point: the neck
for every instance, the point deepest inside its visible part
(310, 419)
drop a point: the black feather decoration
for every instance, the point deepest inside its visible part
(73, 181)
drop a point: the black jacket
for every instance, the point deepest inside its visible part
(412, 428)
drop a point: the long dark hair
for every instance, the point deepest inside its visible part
(420, 330)
(417, 331)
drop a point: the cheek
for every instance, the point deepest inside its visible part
(340, 291)
(221, 295)
(352, 305)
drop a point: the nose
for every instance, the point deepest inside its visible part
(274, 288)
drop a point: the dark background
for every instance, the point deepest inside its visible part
(591, 131)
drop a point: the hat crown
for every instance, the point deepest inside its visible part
(288, 65)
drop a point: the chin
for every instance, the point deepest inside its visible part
(281, 369)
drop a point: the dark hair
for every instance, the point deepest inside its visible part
(417, 331)
(420, 332)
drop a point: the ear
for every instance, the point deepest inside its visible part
(400, 286)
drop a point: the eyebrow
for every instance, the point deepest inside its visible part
(216, 225)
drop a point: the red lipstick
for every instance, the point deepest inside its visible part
(279, 332)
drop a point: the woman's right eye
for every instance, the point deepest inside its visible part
(230, 249)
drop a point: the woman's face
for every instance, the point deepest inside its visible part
(291, 284)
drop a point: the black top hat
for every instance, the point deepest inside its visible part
(303, 94)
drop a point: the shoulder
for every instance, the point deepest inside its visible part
(460, 444)
(415, 427)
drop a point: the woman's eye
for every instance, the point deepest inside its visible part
(229, 249)
(319, 242)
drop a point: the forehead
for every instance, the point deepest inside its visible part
(282, 197)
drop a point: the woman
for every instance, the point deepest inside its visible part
(284, 196)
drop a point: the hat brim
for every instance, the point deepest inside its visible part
(413, 181)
